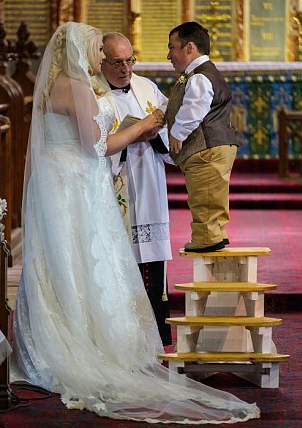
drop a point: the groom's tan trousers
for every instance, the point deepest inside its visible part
(207, 176)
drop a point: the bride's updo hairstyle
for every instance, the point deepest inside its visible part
(75, 44)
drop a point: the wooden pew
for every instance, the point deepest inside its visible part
(12, 95)
(5, 392)
(5, 170)
(16, 90)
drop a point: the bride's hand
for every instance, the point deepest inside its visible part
(158, 113)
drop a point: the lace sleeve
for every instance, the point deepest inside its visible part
(104, 120)
(101, 145)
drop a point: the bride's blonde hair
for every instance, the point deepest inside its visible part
(69, 64)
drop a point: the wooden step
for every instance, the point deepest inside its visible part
(262, 369)
(225, 286)
(223, 356)
(230, 252)
(212, 321)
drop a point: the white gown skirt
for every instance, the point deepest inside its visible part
(83, 324)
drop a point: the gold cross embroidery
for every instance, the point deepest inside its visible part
(115, 125)
(150, 108)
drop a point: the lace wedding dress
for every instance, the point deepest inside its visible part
(83, 324)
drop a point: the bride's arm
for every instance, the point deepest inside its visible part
(120, 139)
(83, 110)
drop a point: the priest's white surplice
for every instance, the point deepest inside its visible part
(148, 203)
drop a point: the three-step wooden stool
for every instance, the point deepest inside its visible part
(224, 328)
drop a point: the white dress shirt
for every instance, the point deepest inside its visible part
(196, 102)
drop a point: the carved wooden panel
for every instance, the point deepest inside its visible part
(5, 170)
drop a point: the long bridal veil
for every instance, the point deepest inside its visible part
(83, 324)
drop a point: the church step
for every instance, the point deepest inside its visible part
(202, 287)
(223, 356)
(245, 183)
(262, 369)
(230, 252)
(176, 187)
(223, 321)
(247, 201)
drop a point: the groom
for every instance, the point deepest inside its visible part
(202, 140)
(139, 174)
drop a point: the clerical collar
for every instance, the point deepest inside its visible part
(126, 89)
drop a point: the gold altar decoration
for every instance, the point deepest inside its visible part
(298, 20)
(214, 18)
(134, 18)
(66, 12)
(135, 33)
(238, 41)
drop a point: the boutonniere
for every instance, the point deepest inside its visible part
(183, 78)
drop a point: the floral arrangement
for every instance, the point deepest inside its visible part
(3, 208)
(3, 211)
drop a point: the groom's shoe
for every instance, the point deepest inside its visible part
(226, 241)
(193, 247)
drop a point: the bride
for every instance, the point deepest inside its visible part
(83, 325)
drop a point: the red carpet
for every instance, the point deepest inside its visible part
(265, 211)
(280, 230)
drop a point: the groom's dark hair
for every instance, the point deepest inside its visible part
(193, 32)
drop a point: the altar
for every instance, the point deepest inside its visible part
(259, 90)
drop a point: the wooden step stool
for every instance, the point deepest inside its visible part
(224, 328)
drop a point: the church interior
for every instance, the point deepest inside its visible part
(257, 46)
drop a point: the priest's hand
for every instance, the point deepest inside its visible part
(174, 144)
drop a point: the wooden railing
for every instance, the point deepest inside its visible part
(290, 126)
(5, 169)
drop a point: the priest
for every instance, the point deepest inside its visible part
(139, 172)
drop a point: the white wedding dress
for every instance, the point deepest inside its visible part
(81, 296)
(83, 324)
